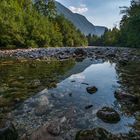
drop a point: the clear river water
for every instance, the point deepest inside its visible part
(40, 92)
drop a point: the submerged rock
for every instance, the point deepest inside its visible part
(73, 81)
(16, 84)
(7, 131)
(39, 103)
(88, 106)
(40, 110)
(120, 95)
(85, 83)
(95, 134)
(108, 115)
(3, 89)
(45, 133)
(21, 78)
(91, 90)
(70, 94)
(35, 83)
(54, 129)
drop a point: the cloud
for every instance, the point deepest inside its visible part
(80, 10)
(78, 77)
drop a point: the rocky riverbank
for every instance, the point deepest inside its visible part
(65, 53)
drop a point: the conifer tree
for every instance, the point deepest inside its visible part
(51, 9)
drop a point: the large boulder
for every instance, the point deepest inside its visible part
(108, 115)
(7, 131)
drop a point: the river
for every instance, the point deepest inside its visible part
(37, 93)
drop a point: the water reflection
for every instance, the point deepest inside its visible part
(70, 98)
(21, 80)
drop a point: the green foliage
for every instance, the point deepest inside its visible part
(11, 22)
(130, 25)
(24, 24)
(111, 37)
(129, 33)
(41, 7)
(51, 9)
(71, 36)
(94, 40)
(46, 8)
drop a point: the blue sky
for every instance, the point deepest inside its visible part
(99, 12)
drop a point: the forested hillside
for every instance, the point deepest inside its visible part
(24, 24)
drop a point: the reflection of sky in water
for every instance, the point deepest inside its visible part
(104, 77)
(78, 77)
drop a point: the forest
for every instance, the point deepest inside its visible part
(24, 24)
(27, 24)
(127, 35)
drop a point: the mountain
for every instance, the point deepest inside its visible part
(80, 21)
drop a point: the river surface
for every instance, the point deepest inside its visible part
(41, 92)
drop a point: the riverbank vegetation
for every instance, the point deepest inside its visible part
(128, 34)
(24, 24)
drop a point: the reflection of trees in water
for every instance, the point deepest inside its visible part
(129, 76)
(18, 81)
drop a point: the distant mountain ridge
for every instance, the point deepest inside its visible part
(80, 21)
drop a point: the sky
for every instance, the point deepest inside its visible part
(99, 12)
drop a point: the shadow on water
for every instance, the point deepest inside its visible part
(67, 101)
